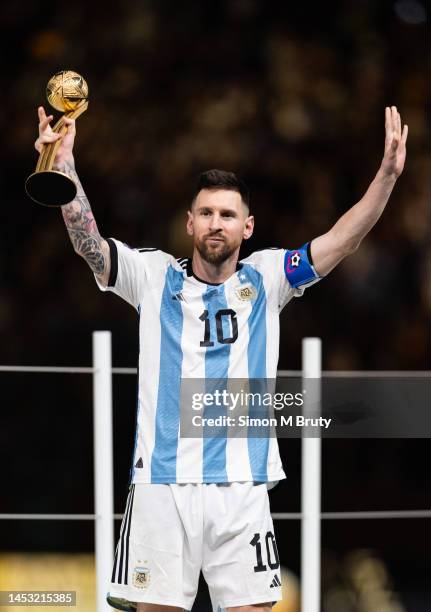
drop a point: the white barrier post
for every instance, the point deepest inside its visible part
(103, 464)
(311, 482)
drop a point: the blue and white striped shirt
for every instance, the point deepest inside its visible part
(190, 329)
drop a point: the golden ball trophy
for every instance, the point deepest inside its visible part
(67, 92)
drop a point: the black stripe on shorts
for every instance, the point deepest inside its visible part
(126, 569)
(125, 529)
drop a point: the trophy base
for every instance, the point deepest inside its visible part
(50, 188)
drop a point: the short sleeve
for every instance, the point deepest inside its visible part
(131, 269)
(286, 273)
(298, 273)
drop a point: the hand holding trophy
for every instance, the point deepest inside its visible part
(67, 92)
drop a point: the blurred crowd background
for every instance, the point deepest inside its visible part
(290, 96)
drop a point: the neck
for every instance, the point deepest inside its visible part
(212, 273)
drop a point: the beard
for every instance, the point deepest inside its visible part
(215, 256)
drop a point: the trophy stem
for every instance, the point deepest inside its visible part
(47, 186)
(47, 157)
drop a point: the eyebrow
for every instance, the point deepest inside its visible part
(222, 211)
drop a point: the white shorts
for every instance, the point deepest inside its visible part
(170, 532)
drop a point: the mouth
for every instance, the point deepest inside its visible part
(214, 240)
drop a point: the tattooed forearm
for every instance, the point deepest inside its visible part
(82, 227)
(89, 247)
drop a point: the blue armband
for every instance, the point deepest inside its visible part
(298, 266)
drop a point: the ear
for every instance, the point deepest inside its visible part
(248, 227)
(189, 225)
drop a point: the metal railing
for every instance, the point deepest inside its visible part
(310, 516)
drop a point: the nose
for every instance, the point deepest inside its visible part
(215, 222)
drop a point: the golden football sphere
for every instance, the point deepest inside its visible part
(66, 90)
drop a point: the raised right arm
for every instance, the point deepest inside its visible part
(77, 215)
(83, 231)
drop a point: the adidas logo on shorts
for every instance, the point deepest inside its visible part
(275, 583)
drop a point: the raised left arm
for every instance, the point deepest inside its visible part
(346, 235)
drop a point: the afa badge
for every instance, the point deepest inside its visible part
(141, 577)
(246, 293)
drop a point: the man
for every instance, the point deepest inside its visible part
(202, 503)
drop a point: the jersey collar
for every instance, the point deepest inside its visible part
(189, 270)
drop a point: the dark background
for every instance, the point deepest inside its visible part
(290, 96)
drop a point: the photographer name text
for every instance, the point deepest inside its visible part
(248, 421)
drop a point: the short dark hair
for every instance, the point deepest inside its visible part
(221, 179)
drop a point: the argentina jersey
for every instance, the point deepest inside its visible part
(191, 329)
